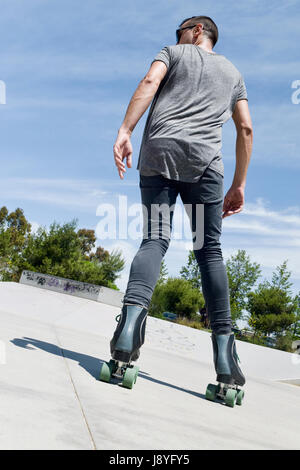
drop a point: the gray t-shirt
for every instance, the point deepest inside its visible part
(183, 131)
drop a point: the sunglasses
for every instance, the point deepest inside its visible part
(181, 29)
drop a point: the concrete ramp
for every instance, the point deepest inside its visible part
(52, 347)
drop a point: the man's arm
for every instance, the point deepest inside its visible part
(138, 104)
(143, 95)
(244, 140)
(234, 199)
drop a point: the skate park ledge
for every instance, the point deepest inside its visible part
(85, 290)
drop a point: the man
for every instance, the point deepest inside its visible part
(194, 91)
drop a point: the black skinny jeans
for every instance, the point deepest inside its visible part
(203, 202)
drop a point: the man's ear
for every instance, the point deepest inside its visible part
(157, 71)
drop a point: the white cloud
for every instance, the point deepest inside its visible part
(82, 194)
(283, 223)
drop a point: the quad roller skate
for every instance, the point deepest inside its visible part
(229, 375)
(125, 345)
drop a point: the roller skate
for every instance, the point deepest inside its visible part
(229, 375)
(125, 346)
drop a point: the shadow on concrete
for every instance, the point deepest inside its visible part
(89, 363)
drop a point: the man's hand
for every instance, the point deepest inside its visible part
(122, 150)
(233, 201)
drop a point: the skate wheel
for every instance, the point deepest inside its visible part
(129, 377)
(211, 392)
(106, 371)
(240, 397)
(230, 397)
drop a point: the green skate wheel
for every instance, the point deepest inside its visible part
(129, 377)
(211, 392)
(230, 397)
(240, 397)
(106, 371)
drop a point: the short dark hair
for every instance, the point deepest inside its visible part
(210, 27)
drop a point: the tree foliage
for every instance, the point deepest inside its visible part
(176, 295)
(60, 251)
(242, 275)
(191, 271)
(163, 273)
(272, 308)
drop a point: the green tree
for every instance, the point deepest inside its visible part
(163, 273)
(296, 325)
(112, 265)
(191, 271)
(14, 231)
(280, 277)
(284, 342)
(87, 242)
(272, 307)
(242, 275)
(176, 295)
(61, 251)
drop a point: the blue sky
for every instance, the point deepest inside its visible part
(70, 69)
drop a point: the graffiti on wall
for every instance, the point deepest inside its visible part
(65, 285)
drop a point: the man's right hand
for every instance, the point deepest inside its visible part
(233, 201)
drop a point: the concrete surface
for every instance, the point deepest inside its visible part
(50, 356)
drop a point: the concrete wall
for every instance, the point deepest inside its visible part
(71, 287)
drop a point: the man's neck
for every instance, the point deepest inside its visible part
(206, 46)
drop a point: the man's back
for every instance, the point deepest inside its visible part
(183, 132)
